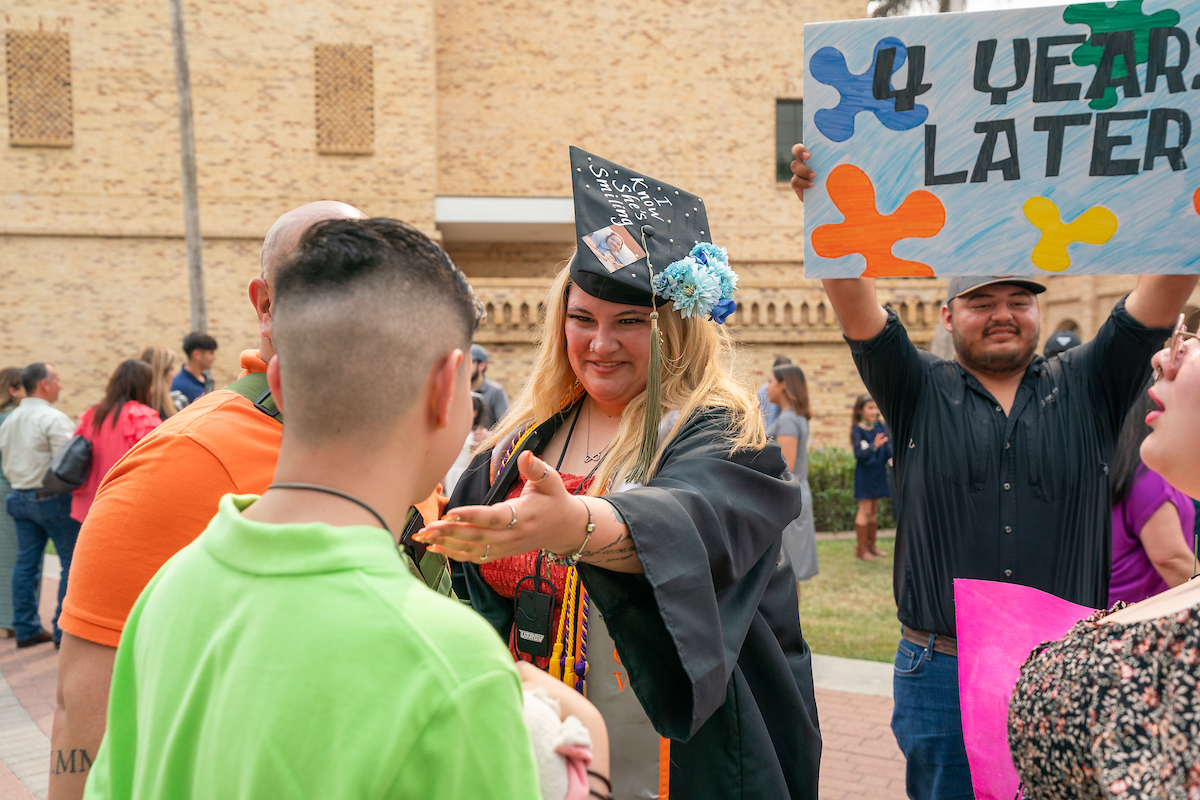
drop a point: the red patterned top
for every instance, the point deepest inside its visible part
(504, 574)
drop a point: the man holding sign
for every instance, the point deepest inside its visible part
(1001, 467)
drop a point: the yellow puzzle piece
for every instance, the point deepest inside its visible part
(1094, 226)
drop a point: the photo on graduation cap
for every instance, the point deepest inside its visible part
(614, 246)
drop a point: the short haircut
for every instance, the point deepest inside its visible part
(362, 311)
(781, 361)
(198, 341)
(34, 374)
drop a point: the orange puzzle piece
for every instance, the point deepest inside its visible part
(872, 234)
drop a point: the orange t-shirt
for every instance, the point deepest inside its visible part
(160, 496)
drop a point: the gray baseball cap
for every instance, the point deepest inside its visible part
(1060, 341)
(961, 284)
(478, 353)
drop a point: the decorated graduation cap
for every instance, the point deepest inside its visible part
(643, 242)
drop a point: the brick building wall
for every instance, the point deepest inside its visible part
(92, 259)
(470, 99)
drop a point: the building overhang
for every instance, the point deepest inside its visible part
(505, 219)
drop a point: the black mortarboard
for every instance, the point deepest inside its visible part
(620, 216)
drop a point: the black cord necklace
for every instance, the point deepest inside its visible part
(600, 456)
(570, 433)
(313, 487)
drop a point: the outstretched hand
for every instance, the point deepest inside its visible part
(803, 176)
(545, 517)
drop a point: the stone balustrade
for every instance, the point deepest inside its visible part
(795, 313)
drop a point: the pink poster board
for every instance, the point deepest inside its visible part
(999, 624)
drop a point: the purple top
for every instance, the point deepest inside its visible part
(1133, 576)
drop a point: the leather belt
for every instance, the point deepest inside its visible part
(941, 644)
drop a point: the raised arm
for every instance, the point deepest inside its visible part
(856, 306)
(853, 299)
(1158, 299)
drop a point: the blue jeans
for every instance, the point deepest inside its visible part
(38, 519)
(927, 722)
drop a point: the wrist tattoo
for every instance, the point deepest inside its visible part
(68, 765)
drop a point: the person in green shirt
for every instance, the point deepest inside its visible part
(290, 650)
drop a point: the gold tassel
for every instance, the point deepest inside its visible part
(640, 472)
(556, 661)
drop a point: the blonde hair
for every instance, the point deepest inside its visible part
(161, 360)
(696, 375)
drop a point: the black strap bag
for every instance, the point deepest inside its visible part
(69, 468)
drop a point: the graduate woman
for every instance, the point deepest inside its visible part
(622, 525)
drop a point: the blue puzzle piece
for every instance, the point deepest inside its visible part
(828, 65)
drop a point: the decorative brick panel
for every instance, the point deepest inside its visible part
(38, 66)
(345, 99)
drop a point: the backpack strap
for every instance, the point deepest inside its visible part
(254, 388)
(432, 568)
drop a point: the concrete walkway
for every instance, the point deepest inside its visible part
(28, 681)
(854, 700)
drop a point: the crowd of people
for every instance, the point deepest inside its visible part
(138, 397)
(266, 593)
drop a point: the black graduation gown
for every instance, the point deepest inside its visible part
(710, 633)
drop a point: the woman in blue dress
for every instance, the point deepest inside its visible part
(871, 443)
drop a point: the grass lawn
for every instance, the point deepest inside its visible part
(848, 610)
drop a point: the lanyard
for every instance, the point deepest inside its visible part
(563, 454)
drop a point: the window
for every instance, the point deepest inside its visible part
(345, 98)
(38, 66)
(789, 129)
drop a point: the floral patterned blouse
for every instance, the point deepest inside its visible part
(1111, 711)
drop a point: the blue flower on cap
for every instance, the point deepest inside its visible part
(700, 284)
(722, 310)
(695, 291)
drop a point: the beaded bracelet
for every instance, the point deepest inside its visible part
(571, 560)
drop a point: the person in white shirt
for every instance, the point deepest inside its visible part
(29, 439)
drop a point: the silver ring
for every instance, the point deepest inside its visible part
(544, 474)
(513, 521)
(486, 553)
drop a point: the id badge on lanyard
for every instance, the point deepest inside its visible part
(535, 605)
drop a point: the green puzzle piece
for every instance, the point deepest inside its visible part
(1126, 15)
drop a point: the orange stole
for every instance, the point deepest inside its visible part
(664, 768)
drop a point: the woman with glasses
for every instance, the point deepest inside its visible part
(1152, 520)
(1113, 708)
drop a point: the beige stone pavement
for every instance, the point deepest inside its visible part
(860, 757)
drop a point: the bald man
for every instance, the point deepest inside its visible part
(154, 502)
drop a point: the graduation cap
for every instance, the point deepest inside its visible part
(643, 242)
(627, 223)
